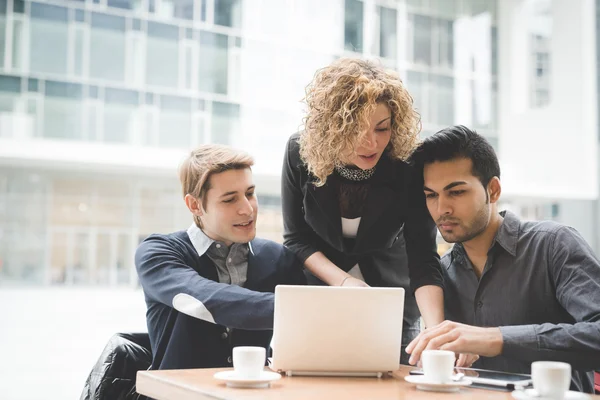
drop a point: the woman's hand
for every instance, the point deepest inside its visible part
(353, 282)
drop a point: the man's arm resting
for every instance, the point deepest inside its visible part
(577, 344)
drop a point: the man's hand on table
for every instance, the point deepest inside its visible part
(470, 341)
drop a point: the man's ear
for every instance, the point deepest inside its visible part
(494, 189)
(194, 205)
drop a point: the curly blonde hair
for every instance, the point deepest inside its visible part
(340, 99)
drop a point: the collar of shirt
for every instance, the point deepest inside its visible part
(508, 233)
(506, 237)
(199, 240)
(202, 243)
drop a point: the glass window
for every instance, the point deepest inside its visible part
(203, 10)
(198, 129)
(80, 268)
(182, 9)
(162, 55)
(10, 84)
(104, 264)
(124, 261)
(18, 46)
(7, 105)
(475, 7)
(62, 111)
(445, 50)
(387, 32)
(225, 122)
(540, 40)
(23, 199)
(80, 35)
(228, 13)
(91, 119)
(79, 15)
(2, 39)
(125, 4)
(494, 37)
(135, 58)
(442, 99)
(49, 39)
(119, 115)
(18, 6)
(107, 47)
(63, 89)
(353, 25)
(416, 82)
(112, 206)
(121, 96)
(157, 210)
(136, 24)
(447, 8)
(213, 62)
(149, 98)
(188, 48)
(58, 259)
(22, 253)
(62, 118)
(421, 45)
(93, 92)
(32, 85)
(175, 126)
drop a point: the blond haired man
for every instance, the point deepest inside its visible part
(210, 288)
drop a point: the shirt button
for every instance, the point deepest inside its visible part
(218, 246)
(224, 335)
(229, 259)
(227, 330)
(229, 359)
(479, 304)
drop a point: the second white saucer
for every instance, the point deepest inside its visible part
(532, 394)
(424, 384)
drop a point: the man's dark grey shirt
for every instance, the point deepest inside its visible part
(541, 286)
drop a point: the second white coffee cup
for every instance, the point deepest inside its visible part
(551, 379)
(248, 361)
(438, 365)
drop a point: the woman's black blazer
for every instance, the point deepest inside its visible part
(395, 244)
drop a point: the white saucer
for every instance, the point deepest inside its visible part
(424, 384)
(234, 381)
(530, 394)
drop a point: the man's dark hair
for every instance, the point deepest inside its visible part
(459, 142)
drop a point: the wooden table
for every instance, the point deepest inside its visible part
(195, 384)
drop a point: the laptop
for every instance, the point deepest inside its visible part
(337, 331)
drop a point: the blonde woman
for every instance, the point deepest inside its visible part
(353, 208)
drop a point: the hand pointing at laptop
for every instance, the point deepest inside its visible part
(470, 341)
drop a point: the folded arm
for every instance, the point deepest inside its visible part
(167, 279)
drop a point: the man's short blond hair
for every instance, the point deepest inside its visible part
(203, 162)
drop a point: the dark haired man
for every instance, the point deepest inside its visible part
(516, 291)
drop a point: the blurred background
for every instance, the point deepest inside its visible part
(101, 99)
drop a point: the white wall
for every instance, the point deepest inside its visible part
(550, 151)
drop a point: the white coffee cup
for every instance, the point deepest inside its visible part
(248, 361)
(438, 365)
(551, 379)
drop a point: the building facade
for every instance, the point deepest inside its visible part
(101, 99)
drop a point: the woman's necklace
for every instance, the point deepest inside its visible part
(354, 174)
